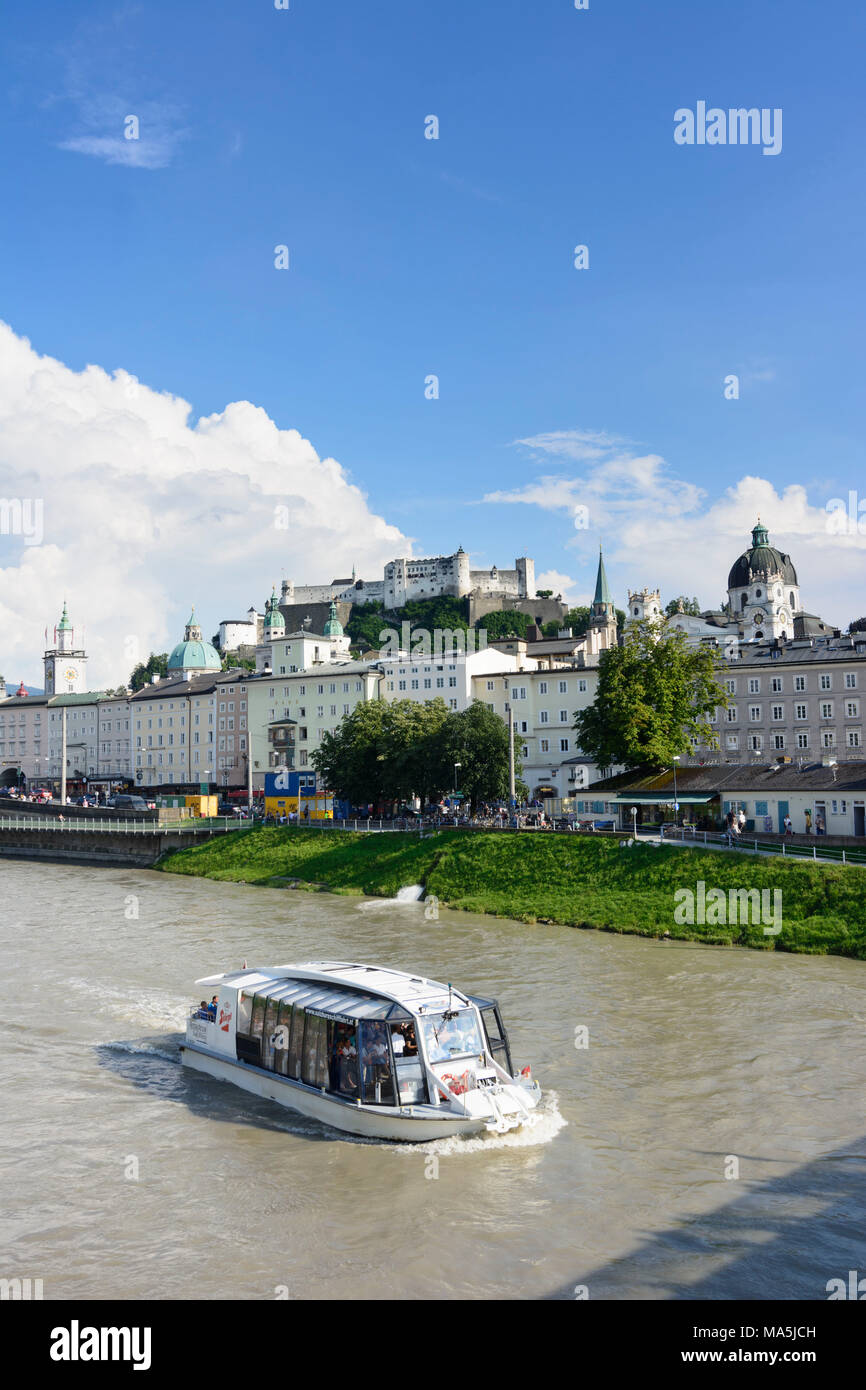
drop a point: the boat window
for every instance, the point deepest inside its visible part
(497, 1037)
(282, 1039)
(295, 1043)
(344, 1059)
(316, 1052)
(451, 1034)
(258, 1016)
(270, 1026)
(245, 1011)
(377, 1076)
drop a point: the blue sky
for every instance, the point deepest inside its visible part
(411, 256)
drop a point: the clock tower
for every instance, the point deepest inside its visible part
(65, 663)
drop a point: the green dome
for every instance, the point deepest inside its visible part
(274, 620)
(194, 656)
(193, 653)
(333, 627)
(763, 559)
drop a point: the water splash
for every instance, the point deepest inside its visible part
(405, 897)
(548, 1123)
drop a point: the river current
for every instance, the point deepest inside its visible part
(702, 1132)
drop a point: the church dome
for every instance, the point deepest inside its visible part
(193, 653)
(761, 558)
(333, 627)
(275, 623)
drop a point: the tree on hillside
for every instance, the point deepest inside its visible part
(654, 695)
(689, 605)
(578, 620)
(858, 625)
(544, 593)
(508, 622)
(156, 665)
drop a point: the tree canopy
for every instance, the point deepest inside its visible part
(689, 605)
(156, 665)
(393, 751)
(654, 695)
(507, 622)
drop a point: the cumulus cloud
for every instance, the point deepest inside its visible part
(563, 584)
(663, 530)
(147, 511)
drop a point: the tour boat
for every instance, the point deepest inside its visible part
(372, 1051)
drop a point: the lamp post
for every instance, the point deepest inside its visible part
(512, 799)
(456, 765)
(676, 759)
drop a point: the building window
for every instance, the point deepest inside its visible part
(778, 740)
(756, 742)
(731, 687)
(754, 686)
(803, 739)
(826, 709)
(776, 684)
(732, 714)
(542, 687)
(801, 711)
(853, 738)
(778, 712)
(828, 738)
(850, 680)
(799, 682)
(563, 745)
(543, 717)
(581, 685)
(826, 682)
(755, 713)
(563, 687)
(852, 709)
(544, 745)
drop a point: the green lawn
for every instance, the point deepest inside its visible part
(579, 882)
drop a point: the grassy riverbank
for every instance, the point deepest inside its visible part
(577, 881)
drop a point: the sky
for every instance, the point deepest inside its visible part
(197, 421)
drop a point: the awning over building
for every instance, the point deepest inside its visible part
(665, 798)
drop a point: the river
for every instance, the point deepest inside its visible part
(707, 1142)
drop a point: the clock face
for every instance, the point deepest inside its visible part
(759, 617)
(70, 673)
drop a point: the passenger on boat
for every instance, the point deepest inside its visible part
(398, 1041)
(213, 1006)
(203, 1011)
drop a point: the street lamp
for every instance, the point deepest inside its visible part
(456, 765)
(676, 759)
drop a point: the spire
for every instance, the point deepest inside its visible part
(760, 535)
(602, 588)
(65, 624)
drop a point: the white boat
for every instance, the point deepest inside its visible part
(371, 1051)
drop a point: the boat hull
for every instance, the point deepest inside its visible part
(406, 1125)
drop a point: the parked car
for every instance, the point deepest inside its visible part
(123, 802)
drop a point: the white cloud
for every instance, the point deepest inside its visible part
(660, 529)
(562, 584)
(146, 512)
(102, 124)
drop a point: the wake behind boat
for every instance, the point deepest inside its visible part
(371, 1051)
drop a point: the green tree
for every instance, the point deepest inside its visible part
(383, 751)
(654, 693)
(156, 665)
(477, 738)
(690, 605)
(507, 622)
(544, 593)
(858, 625)
(578, 620)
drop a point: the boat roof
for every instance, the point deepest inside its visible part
(344, 987)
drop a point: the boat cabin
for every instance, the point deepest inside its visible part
(358, 1033)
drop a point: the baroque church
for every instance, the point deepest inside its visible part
(763, 602)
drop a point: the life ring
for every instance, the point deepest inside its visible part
(457, 1085)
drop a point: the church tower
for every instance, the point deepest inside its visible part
(65, 663)
(601, 632)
